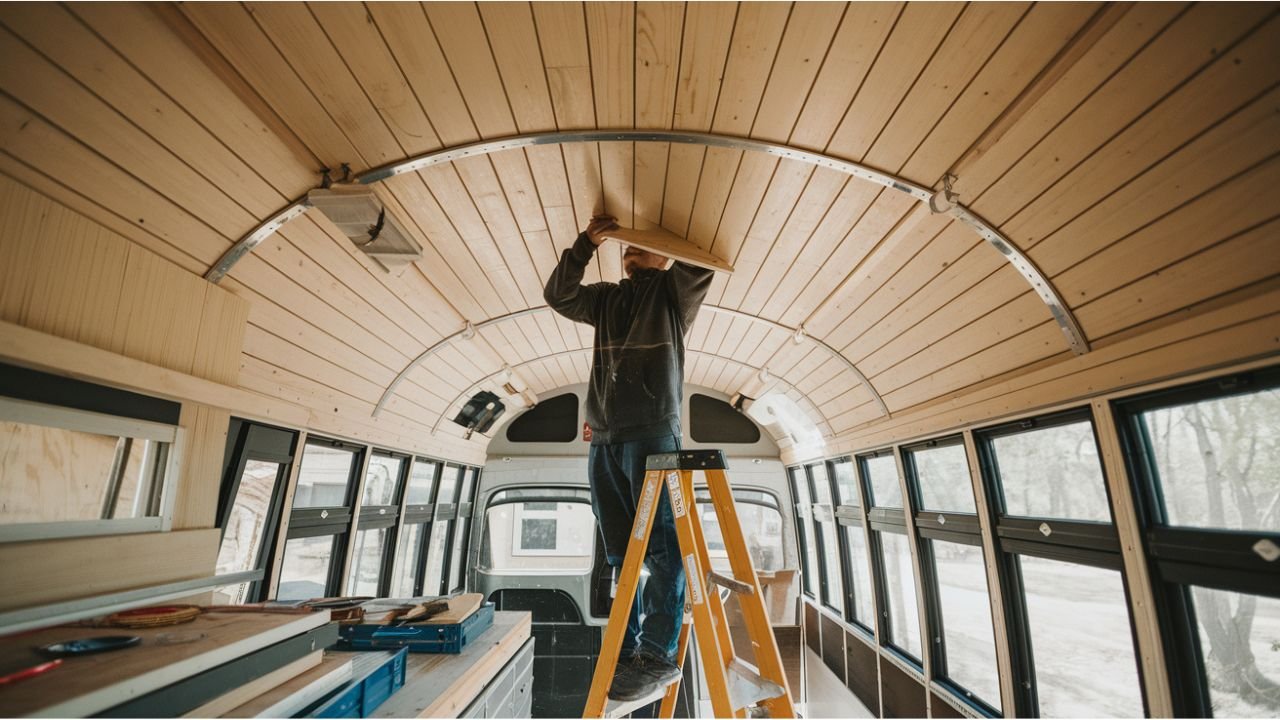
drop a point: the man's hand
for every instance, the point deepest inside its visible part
(599, 226)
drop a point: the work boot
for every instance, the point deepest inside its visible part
(642, 676)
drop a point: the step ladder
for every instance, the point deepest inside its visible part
(737, 688)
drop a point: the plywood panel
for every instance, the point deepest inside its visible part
(200, 474)
(56, 570)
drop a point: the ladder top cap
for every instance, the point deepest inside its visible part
(687, 460)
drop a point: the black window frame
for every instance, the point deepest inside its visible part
(820, 539)
(853, 515)
(378, 517)
(445, 512)
(945, 526)
(463, 526)
(795, 474)
(420, 514)
(330, 520)
(1183, 556)
(1083, 542)
(887, 520)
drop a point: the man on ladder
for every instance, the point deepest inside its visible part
(633, 410)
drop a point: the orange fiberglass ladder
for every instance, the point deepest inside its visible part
(737, 689)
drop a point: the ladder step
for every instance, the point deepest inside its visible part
(623, 708)
(747, 687)
(733, 584)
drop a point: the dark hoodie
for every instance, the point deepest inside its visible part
(637, 370)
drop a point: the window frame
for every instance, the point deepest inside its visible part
(1083, 542)
(951, 526)
(378, 517)
(334, 520)
(851, 515)
(420, 514)
(1180, 557)
(887, 519)
(802, 542)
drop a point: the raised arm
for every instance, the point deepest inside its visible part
(688, 285)
(565, 292)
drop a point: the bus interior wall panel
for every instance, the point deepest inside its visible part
(904, 695)
(863, 677)
(812, 628)
(833, 652)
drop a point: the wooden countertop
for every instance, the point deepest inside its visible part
(442, 686)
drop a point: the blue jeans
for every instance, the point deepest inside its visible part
(616, 473)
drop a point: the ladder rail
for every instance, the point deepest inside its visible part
(624, 598)
(768, 658)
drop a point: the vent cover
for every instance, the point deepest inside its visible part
(357, 212)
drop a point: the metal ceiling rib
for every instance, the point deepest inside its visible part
(468, 331)
(565, 353)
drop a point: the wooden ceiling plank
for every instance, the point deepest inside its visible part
(746, 199)
(978, 33)
(367, 57)
(1228, 86)
(704, 52)
(461, 34)
(758, 356)
(659, 28)
(412, 42)
(514, 42)
(801, 53)
(490, 197)
(1181, 50)
(746, 342)
(915, 37)
(857, 42)
(816, 202)
(1043, 37)
(230, 29)
(611, 32)
(1232, 208)
(757, 36)
(47, 90)
(309, 52)
(849, 206)
(738, 327)
(831, 296)
(915, 256)
(1173, 291)
(261, 344)
(183, 75)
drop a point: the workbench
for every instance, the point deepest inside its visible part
(491, 677)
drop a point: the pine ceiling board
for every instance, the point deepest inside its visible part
(231, 30)
(369, 60)
(758, 356)
(461, 34)
(310, 53)
(697, 334)
(980, 30)
(826, 371)
(756, 38)
(911, 299)
(850, 205)
(463, 225)
(1235, 79)
(618, 172)
(1104, 47)
(915, 37)
(563, 38)
(1028, 56)
(746, 200)
(66, 42)
(708, 29)
(1213, 158)
(940, 340)
(1019, 353)
(836, 400)
(857, 42)
(684, 169)
(503, 338)
(738, 329)
(32, 81)
(715, 182)
(266, 346)
(547, 163)
(611, 32)
(829, 297)
(513, 40)
(1186, 287)
(816, 202)
(491, 199)
(411, 40)
(1158, 69)
(801, 53)
(533, 332)
(516, 178)
(455, 366)
(1234, 207)
(659, 28)
(893, 284)
(415, 197)
(542, 250)
(745, 342)
(61, 167)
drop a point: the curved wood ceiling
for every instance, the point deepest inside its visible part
(1129, 150)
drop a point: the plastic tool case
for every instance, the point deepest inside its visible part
(376, 677)
(424, 637)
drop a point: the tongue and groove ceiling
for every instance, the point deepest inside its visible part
(1128, 150)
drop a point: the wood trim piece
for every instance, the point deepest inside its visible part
(31, 348)
(942, 201)
(1137, 577)
(59, 570)
(995, 592)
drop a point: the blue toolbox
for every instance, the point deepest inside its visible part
(421, 637)
(375, 677)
